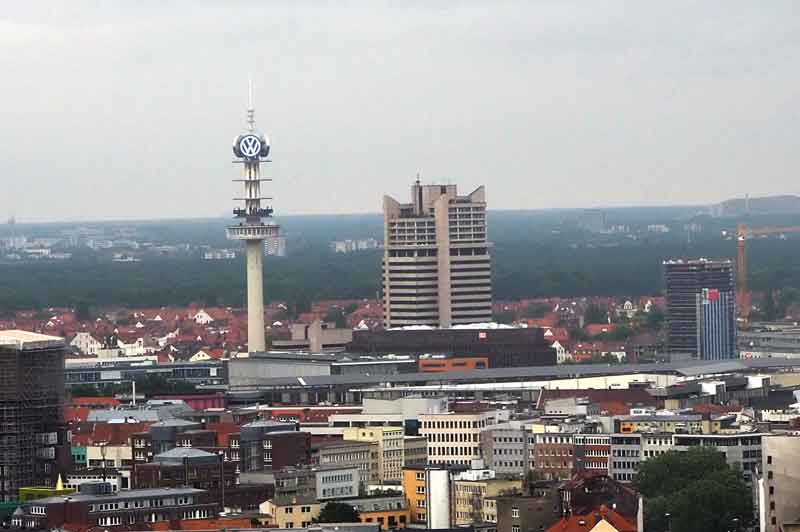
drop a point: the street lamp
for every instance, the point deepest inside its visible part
(667, 517)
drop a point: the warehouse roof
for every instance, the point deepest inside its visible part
(688, 368)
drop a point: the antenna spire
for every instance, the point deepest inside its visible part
(251, 112)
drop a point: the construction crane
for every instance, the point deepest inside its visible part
(742, 293)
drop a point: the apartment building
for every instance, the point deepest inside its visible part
(454, 438)
(508, 449)
(626, 454)
(472, 488)
(592, 453)
(779, 486)
(436, 263)
(555, 455)
(415, 451)
(390, 449)
(429, 492)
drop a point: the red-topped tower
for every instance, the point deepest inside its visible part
(252, 148)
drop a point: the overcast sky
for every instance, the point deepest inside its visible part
(124, 109)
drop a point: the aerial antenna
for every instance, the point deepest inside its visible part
(418, 178)
(251, 112)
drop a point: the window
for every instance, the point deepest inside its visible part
(305, 509)
(515, 528)
(288, 510)
(514, 512)
(769, 460)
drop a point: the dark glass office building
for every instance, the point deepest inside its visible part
(701, 308)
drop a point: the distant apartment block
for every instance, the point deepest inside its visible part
(436, 263)
(350, 246)
(592, 220)
(275, 246)
(219, 254)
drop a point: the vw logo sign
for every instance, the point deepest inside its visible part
(250, 146)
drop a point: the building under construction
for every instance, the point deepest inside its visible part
(33, 442)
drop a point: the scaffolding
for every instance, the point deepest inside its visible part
(33, 446)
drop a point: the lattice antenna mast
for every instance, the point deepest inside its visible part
(251, 111)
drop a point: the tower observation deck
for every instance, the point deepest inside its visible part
(251, 148)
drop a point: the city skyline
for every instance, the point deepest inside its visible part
(552, 105)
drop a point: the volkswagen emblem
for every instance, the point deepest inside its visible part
(250, 146)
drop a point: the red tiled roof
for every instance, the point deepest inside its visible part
(584, 523)
(710, 408)
(94, 401)
(112, 433)
(74, 414)
(215, 524)
(593, 329)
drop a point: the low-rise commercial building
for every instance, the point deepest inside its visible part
(391, 513)
(359, 455)
(297, 512)
(124, 510)
(454, 438)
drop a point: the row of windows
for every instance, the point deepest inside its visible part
(455, 285)
(455, 424)
(453, 451)
(458, 310)
(413, 253)
(466, 252)
(452, 437)
(417, 279)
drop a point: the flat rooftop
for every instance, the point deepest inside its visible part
(26, 340)
(686, 368)
(122, 495)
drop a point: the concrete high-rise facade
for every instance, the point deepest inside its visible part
(33, 447)
(436, 262)
(701, 308)
(251, 148)
(779, 485)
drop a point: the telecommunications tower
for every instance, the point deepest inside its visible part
(251, 148)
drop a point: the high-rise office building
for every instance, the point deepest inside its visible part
(701, 308)
(436, 264)
(33, 444)
(716, 324)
